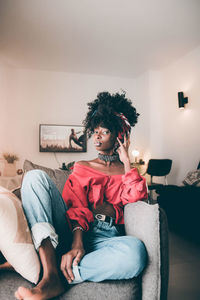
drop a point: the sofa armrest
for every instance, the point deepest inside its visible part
(149, 224)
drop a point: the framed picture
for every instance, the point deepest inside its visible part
(62, 138)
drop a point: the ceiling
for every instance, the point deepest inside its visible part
(121, 38)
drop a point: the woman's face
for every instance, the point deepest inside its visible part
(104, 139)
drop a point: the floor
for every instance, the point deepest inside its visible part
(184, 278)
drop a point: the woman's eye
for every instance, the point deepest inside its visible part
(104, 132)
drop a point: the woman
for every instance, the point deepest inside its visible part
(94, 196)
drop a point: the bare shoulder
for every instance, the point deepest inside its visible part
(85, 162)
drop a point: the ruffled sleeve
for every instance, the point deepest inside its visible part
(75, 196)
(133, 187)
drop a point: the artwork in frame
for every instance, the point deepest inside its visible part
(62, 138)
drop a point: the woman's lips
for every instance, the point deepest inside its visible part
(97, 144)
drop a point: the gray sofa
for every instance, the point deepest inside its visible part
(145, 221)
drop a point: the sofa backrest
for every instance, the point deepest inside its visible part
(58, 176)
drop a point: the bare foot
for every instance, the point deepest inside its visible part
(46, 289)
(6, 266)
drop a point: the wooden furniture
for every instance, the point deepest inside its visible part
(141, 167)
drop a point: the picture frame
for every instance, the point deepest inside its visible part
(62, 138)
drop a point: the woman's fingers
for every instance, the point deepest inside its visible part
(119, 141)
(72, 257)
(69, 268)
(125, 143)
(123, 149)
(77, 258)
(66, 275)
(66, 267)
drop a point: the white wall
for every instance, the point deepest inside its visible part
(35, 97)
(175, 132)
(29, 98)
(143, 134)
(2, 102)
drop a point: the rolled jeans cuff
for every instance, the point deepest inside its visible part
(41, 231)
(77, 276)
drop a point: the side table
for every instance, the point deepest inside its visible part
(141, 167)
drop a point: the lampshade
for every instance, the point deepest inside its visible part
(135, 153)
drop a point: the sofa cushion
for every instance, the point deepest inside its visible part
(15, 239)
(58, 176)
(109, 290)
(9, 283)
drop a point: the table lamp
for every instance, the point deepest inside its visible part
(135, 154)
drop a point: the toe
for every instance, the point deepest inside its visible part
(17, 295)
(23, 293)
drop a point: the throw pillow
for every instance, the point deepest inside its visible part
(192, 178)
(15, 238)
(58, 176)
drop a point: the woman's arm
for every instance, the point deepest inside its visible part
(77, 231)
(79, 214)
(75, 196)
(134, 185)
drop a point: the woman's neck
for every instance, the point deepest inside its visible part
(107, 152)
(108, 158)
(113, 167)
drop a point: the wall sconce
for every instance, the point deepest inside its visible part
(182, 100)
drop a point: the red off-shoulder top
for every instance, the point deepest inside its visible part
(87, 186)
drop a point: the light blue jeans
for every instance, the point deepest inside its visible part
(109, 255)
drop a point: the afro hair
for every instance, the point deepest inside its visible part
(102, 112)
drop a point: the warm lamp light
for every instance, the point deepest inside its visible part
(135, 154)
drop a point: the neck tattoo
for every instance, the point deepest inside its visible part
(109, 158)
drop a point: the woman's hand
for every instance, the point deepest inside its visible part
(123, 149)
(123, 153)
(72, 257)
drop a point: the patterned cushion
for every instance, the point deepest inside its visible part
(15, 239)
(192, 178)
